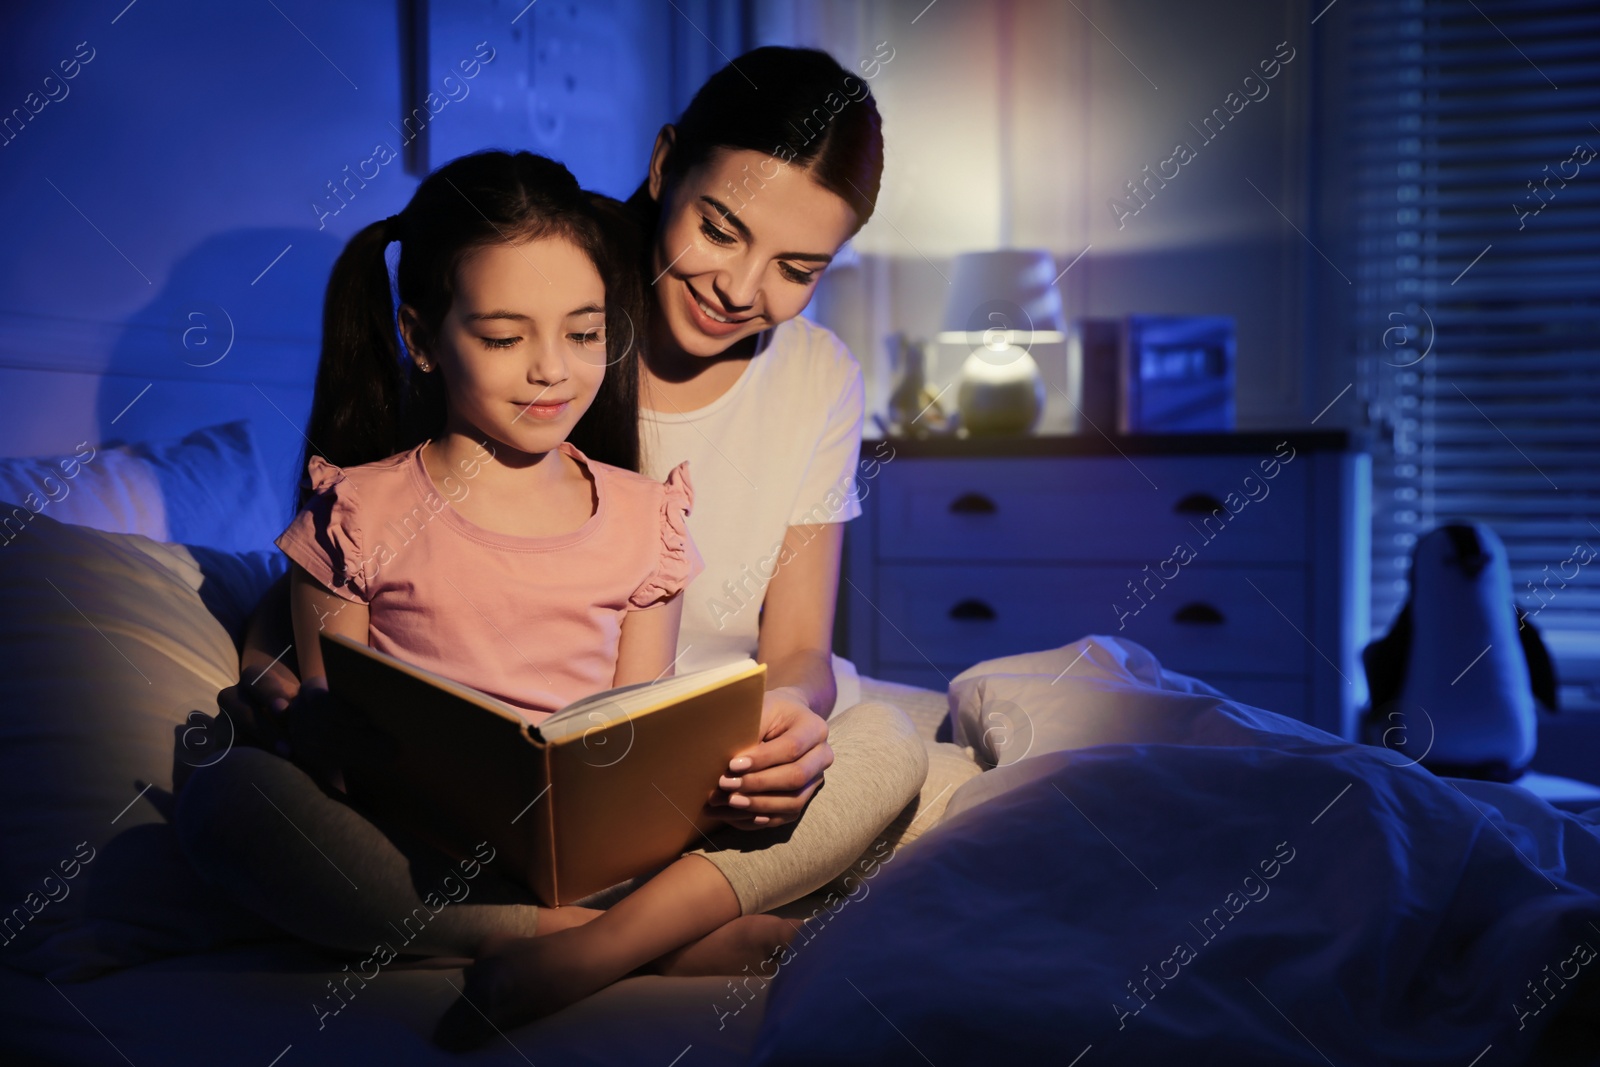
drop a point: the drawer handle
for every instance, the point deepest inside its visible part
(972, 504)
(972, 610)
(1199, 504)
(1198, 615)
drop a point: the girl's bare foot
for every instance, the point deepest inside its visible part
(521, 979)
(747, 941)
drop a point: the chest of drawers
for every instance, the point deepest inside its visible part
(1240, 559)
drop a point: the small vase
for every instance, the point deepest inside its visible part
(913, 407)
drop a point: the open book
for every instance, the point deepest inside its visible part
(609, 787)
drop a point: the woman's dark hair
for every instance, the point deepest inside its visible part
(371, 402)
(797, 104)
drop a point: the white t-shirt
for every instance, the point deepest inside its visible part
(778, 449)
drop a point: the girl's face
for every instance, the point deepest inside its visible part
(742, 241)
(523, 346)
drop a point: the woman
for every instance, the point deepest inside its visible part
(768, 407)
(745, 203)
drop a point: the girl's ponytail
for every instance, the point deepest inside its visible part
(355, 410)
(609, 430)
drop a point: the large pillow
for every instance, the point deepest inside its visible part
(210, 488)
(107, 642)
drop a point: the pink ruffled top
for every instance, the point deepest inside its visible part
(534, 621)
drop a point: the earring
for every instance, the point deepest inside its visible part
(425, 366)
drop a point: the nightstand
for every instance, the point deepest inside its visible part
(1238, 558)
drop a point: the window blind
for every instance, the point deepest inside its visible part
(1475, 161)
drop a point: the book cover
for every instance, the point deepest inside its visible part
(610, 787)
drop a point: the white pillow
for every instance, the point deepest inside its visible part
(209, 488)
(106, 644)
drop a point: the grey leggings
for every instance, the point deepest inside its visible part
(311, 863)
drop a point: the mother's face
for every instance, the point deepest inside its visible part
(742, 241)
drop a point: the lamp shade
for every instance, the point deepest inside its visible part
(1008, 289)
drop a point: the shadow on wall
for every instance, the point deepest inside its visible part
(233, 333)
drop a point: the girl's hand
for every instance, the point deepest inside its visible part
(324, 732)
(771, 784)
(320, 729)
(268, 677)
(249, 713)
(256, 705)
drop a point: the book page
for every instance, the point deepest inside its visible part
(603, 709)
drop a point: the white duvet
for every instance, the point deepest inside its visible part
(1155, 874)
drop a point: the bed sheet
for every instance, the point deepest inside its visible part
(1155, 873)
(258, 1005)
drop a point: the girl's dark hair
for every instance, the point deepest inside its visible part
(797, 104)
(370, 401)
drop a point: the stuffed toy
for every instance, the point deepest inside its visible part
(1457, 682)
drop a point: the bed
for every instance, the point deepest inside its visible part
(1150, 872)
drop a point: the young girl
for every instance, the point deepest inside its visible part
(494, 551)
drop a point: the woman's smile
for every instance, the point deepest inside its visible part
(709, 318)
(745, 262)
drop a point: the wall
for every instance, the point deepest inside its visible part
(164, 212)
(1097, 91)
(169, 220)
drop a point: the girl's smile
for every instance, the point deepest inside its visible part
(541, 410)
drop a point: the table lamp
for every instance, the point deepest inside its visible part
(1000, 303)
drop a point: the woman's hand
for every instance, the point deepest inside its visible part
(775, 780)
(771, 784)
